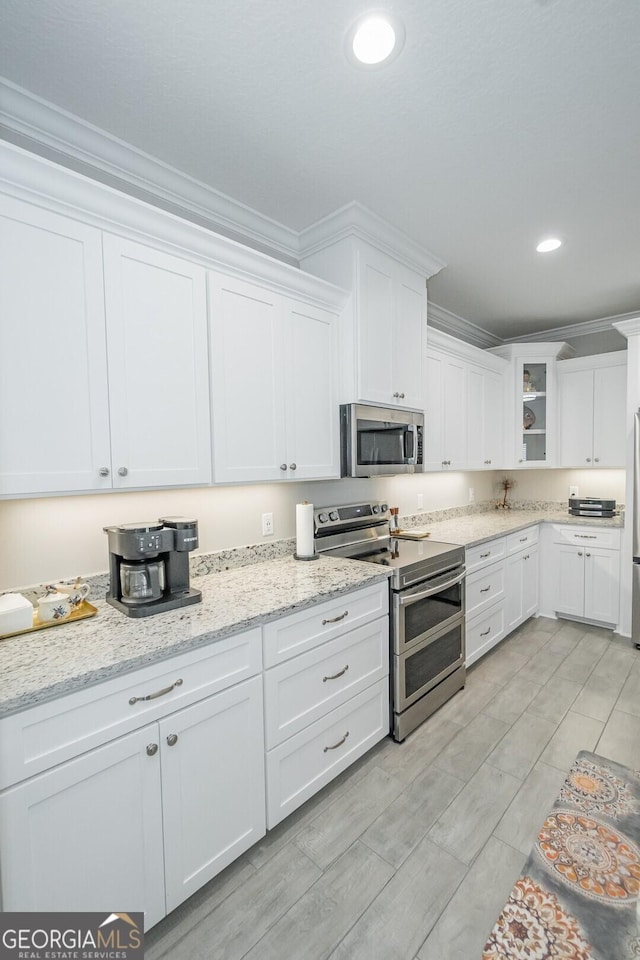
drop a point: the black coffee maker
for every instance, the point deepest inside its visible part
(149, 566)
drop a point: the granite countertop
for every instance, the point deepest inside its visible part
(47, 664)
(480, 527)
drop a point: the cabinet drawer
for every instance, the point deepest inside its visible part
(484, 632)
(289, 636)
(304, 689)
(39, 738)
(522, 538)
(303, 764)
(485, 553)
(607, 537)
(484, 587)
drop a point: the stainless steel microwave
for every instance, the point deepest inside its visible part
(380, 441)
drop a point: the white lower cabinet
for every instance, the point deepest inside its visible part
(141, 821)
(328, 705)
(586, 565)
(502, 589)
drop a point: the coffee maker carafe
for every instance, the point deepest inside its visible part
(149, 565)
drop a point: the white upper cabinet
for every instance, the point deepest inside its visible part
(54, 414)
(592, 401)
(532, 411)
(103, 362)
(383, 333)
(273, 385)
(464, 415)
(158, 371)
(445, 431)
(391, 330)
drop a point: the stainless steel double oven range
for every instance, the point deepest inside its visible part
(427, 639)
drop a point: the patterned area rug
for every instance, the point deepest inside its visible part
(577, 897)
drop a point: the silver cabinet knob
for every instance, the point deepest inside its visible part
(579, 553)
(520, 460)
(402, 396)
(103, 472)
(122, 471)
(293, 466)
(283, 466)
(588, 459)
(597, 459)
(172, 739)
(588, 554)
(396, 395)
(152, 749)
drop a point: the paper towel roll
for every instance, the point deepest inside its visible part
(304, 529)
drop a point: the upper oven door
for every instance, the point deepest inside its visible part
(426, 608)
(378, 441)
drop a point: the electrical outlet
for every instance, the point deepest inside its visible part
(267, 524)
(420, 501)
(573, 491)
(472, 495)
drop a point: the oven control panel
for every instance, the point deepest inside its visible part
(350, 514)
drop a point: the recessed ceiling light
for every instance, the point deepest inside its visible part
(546, 246)
(374, 39)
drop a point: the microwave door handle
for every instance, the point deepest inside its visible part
(405, 601)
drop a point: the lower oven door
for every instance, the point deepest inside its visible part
(427, 608)
(422, 667)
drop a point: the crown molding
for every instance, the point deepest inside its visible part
(448, 322)
(454, 346)
(574, 330)
(354, 220)
(628, 326)
(98, 154)
(545, 349)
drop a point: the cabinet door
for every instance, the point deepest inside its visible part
(158, 371)
(409, 341)
(575, 389)
(54, 414)
(247, 384)
(213, 786)
(454, 402)
(476, 419)
(375, 323)
(514, 591)
(493, 421)
(535, 412)
(87, 833)
(601, 584)
(434, 438)
(530, 583)
(311, 375)
(609, 416)
(569, 580)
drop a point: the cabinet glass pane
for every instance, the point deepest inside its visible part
(534, 412)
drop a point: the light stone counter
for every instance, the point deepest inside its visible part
(50, 663)
(479, 527)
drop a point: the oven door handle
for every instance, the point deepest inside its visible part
(414, 597)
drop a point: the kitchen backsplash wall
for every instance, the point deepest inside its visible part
(50, 539)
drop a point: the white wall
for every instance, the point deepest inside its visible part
(53, 538)
(554, 484)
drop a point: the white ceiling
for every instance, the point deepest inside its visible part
(502, 121)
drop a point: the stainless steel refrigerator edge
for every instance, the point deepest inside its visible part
(635, 587)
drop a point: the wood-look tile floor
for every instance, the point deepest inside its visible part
(411, 853)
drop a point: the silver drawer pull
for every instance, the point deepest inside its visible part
(487, 554)
(336, 619)
(523, 539)
(158, 693)
(338, 744)
(336, 675)
(585, 536)
(486, 632)
(485, 590)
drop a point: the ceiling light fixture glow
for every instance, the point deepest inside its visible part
(374, 39)
(547, 246)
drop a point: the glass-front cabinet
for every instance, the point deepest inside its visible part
(531, 414)
(533, 411)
